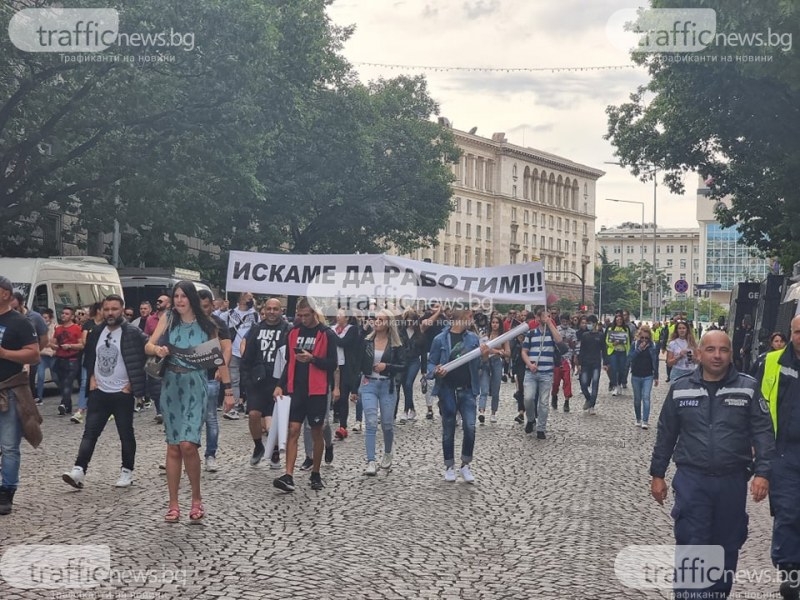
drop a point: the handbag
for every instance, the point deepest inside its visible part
(155, 366)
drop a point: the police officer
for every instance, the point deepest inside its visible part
(781, 388)
(709, 423)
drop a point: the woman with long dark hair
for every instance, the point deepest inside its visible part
(183, 393)
(491, 369)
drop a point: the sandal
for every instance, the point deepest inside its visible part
(173, 515)
(197, 512)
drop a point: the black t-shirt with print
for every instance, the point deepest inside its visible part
(459, 377)
(16, 332)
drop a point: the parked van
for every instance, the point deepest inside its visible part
(150, 283)
(61, 281)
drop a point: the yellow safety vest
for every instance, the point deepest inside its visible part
(769, 384)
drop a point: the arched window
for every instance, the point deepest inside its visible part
(574, 195)
(535, 186)
(514, 171)
(551, 189)
(543, 188)
(559, 189)
(526, 180)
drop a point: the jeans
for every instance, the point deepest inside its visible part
(617, 362)
(642, 387)
(82, 398)
(462, 401)
(100, 407)
(68, 369)
(491, 373)
(47, 362)
(537, 388)
(375, 396)
(10, 438)
(408, 382)
(236, 377)
(590, 375)
(212, 422)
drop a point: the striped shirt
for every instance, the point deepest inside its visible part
(540, 348)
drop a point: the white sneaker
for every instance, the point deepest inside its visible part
(450, 474)
(615, 391)
(372, 469)
(592, 411)
(357, 427)
(231, 415)
(386, 463)
(74, 477)
(125, 478)
(467, 475)
(638, 423)
(645, 426)
(493, 419)
(412, 415)
(211, 464)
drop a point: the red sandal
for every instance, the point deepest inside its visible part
(197, 512)
(173, 515)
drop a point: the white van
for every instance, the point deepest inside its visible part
(61, 281)
(147, 284)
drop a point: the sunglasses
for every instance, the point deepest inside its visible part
(645, 339)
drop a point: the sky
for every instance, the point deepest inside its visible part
(562, 112)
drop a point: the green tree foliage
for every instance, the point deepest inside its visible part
(727, 116)
(258, 137)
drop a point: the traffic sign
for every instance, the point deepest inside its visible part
(681, 286)
(680, 296)
(708, 286)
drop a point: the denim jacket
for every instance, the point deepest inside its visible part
(440, 355)
(653, 349)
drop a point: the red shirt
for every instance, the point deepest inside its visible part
(68, 334)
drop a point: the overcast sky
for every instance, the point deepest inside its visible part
(562, 112)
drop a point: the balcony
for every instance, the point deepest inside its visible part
(514, 225)
(514, 247)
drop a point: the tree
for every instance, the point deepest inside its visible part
(258, 137)
(728, 116)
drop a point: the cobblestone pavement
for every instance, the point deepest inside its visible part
(545, 519)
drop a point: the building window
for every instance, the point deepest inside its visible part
(696, 264)
(541, 242)
(489, 212)
(457, 204)
(435, 257)
(551, 221)
(684, 249)
(683, 263)
(669, 262)
(524, 258)
(550, 243)
(447, 254)
(488, 234)
(558, 245)
(477, 257)
(513, 214)
(585, 230)
(574, 248)
(513, 191)
(487, 258)
(457, 256)
(575, 227)
(447, 227)
(469, 230)
(478, 207)
(458, 228)
(469, 206)
(558, 224)
(617, 249)
(526, 217)
(670, 249)
(629, 249)
(477, 233)
(535, 220)
(467, 252)
(525, 239)
(533, 240)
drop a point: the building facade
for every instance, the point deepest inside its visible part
(677, 252)
(725, 259)
(513, 204)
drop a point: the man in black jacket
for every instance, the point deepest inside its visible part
(710, 422)
(114, 361)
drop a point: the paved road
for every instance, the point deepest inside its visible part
(545, 519)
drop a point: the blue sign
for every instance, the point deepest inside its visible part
(708, 286)
(681, 286)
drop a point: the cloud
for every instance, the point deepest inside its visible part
(480, 8)
(528, 127)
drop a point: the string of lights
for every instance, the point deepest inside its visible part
(444, 68)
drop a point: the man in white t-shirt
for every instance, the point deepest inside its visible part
(114, 362)
(240, 320)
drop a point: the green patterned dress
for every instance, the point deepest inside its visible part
(184, 396)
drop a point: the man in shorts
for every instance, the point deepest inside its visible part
(310, 360)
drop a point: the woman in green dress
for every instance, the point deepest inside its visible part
(183, 393)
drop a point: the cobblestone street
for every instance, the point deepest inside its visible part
(545, 519)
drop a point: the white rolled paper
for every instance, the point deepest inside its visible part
(493, 343)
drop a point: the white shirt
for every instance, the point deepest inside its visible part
(241, 321)
(676, 346)
(110, 373)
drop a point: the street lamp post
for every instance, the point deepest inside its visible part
(641, 251)
(652, 170)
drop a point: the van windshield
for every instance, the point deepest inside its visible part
(74, 295)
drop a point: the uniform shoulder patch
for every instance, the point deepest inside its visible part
(746, 376)
(762, 402)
